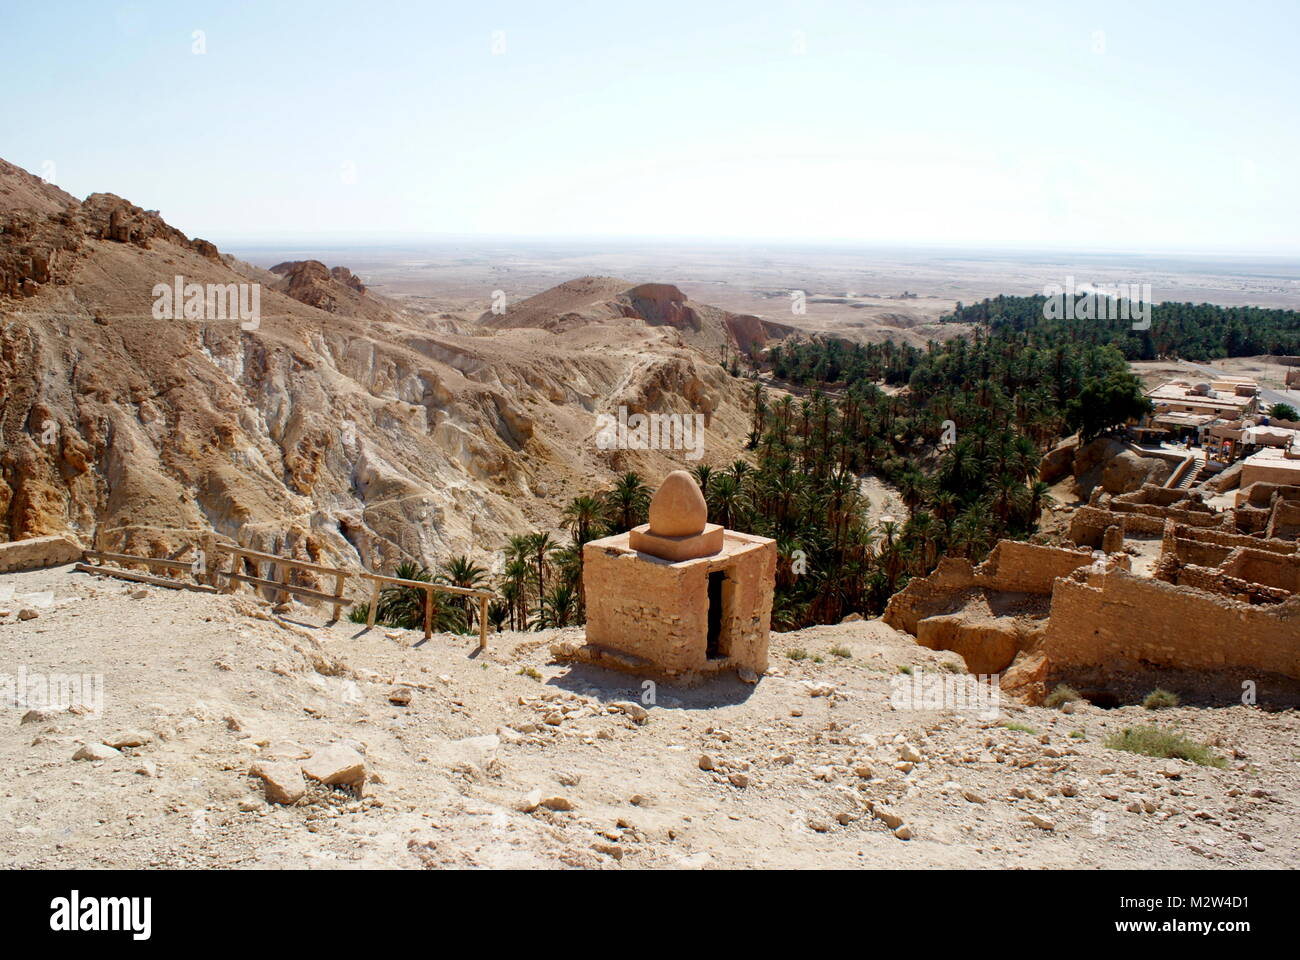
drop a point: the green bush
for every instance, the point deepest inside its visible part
(1061, 695)
(1165, 744)
(1159, 699)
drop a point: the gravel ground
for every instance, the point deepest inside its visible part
(504, 759)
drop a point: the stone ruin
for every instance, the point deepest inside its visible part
(36, 552)
(1220, 608)
(679, 597)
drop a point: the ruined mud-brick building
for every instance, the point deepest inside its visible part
(1220, 607)
(677, 597)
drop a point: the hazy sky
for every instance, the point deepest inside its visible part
(1128, 125)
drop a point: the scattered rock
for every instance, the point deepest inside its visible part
(609, 849)
(400, 696)
(283, 780)
(904, 833)
(337, 765)
(129, 738)
(285, 750)
(27, 613)
(707, 762)
(634, 710)
(147, 768)
(96, 751)
(1042, 823)
(888, 816)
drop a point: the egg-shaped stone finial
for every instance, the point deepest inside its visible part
(678, 508)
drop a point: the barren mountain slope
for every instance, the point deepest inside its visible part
(352, 429)
(610, 301)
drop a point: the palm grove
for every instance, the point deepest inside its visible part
(958, 428)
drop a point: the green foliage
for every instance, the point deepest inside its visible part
(1061, 695)
(1160, 699)
(1284, 411)
(1201, 331)
(402, 606)
(1155, 742)
(1105, 405)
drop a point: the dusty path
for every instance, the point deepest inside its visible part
(214, 682)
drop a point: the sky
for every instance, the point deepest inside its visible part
(1145, 126)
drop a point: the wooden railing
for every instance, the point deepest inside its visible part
(155, 563)
(282, 565)
(208, 576)
(483, 596)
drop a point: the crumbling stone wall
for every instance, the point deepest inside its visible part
(1250, 520)
(1284, 520)
(1118, 618)
(1012, 567)
(38, 552)
(1175, 534)
(1088, 526)
(1151, 495)
(1216, 580)
(1264, 567)
(1260, 494)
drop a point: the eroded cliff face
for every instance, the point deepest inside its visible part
(357, 433)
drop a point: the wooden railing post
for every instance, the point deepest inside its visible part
(374, 604)
(482, 622)
(428, 612)
(231, 583)
(338, 592)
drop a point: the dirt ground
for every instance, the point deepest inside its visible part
(813, 766)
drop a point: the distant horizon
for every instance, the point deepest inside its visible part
(416, 241)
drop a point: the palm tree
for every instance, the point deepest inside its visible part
(703, 474)
(628, 502)
(542, 545)
(583, 516)
(725, 500)
(515, 589)
(462, 572)
(403, 606)
(497, 613)
(559, 608)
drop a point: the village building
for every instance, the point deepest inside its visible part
(1183, 408)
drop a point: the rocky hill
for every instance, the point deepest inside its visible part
(337, 424)
(609, 301)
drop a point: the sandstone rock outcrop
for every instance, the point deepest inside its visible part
(356, 432)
